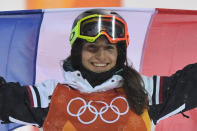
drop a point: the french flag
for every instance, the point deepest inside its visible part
(33, 44)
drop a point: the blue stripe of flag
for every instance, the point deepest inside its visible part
(19, 34)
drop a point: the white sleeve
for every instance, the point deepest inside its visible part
(154, 86)
(148, 83)
(40, 93)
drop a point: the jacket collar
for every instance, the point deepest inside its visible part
(75, 80)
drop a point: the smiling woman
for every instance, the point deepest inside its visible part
(98, 71)
(99, 53)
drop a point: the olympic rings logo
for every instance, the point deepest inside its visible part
(97, 113)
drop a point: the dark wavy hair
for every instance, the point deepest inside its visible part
(134, 89)
(133, 84)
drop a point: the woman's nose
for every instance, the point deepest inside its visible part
(100, 54)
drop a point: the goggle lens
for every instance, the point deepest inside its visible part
(95, 25)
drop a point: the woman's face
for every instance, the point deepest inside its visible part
(99, 56)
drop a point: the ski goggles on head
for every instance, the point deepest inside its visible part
(91, 27)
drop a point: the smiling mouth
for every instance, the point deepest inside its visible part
(99, 64)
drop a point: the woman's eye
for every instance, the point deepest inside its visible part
(110, 47)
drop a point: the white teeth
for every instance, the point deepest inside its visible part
(100, 65)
